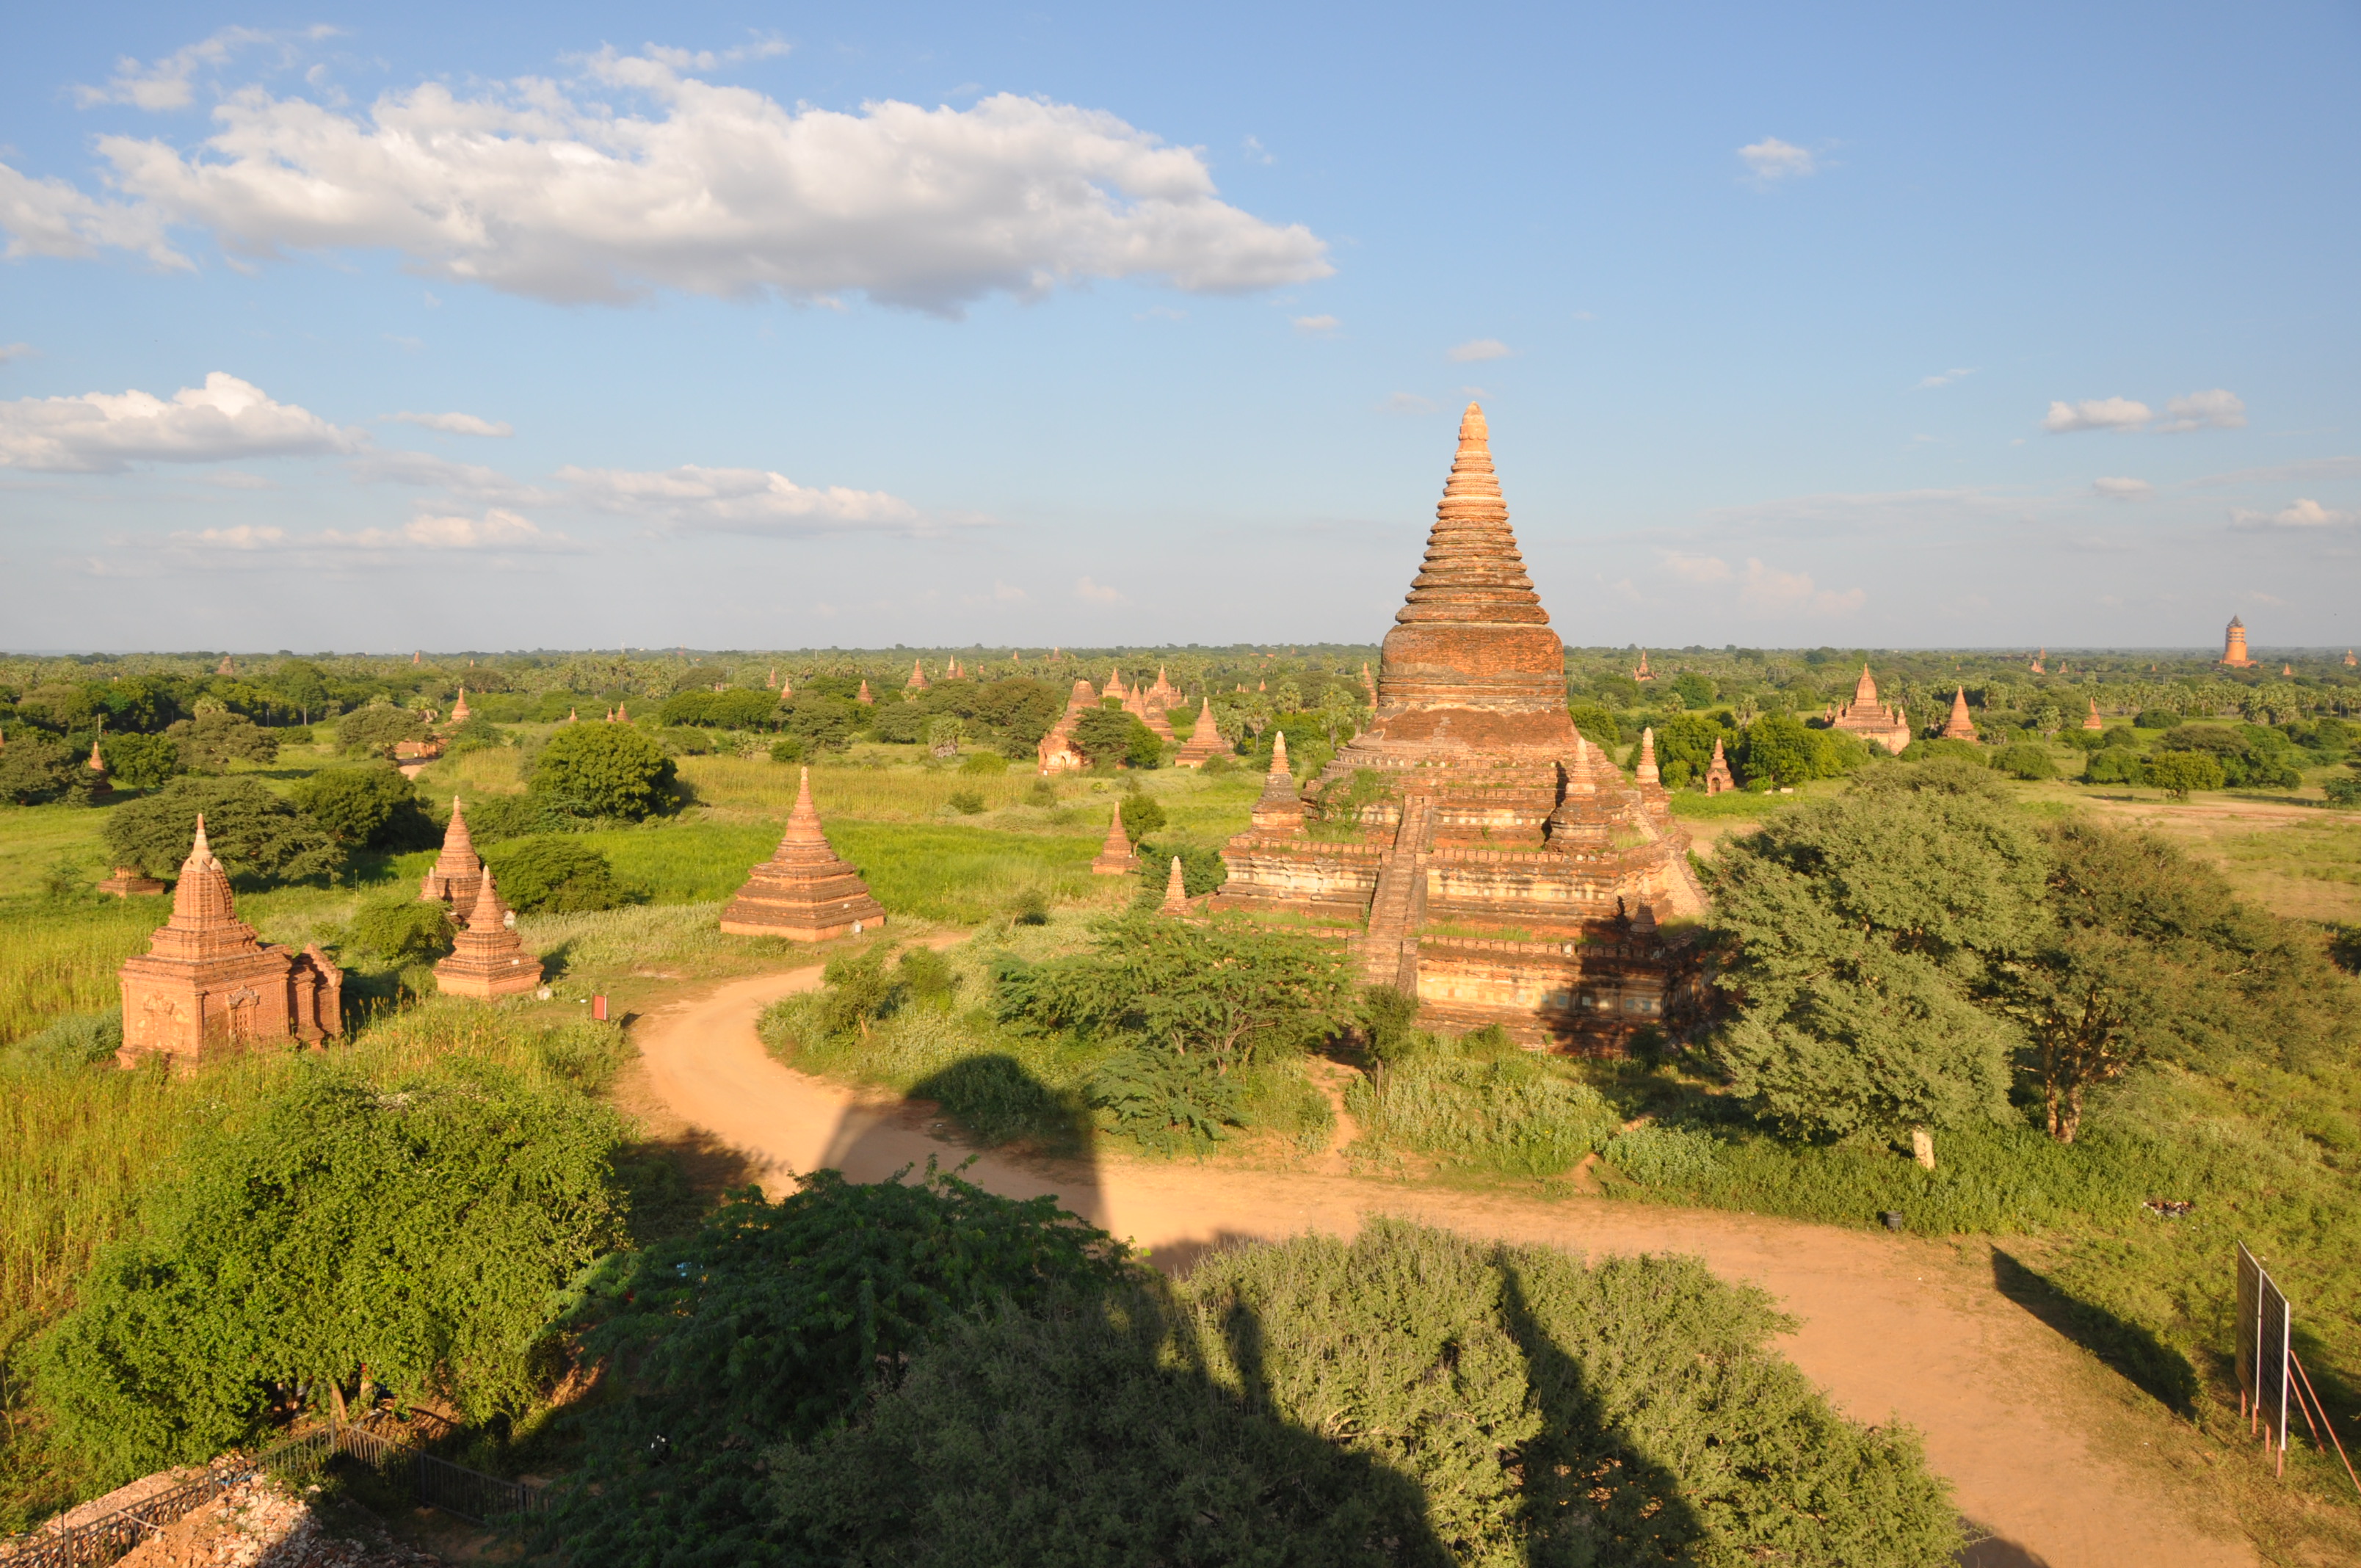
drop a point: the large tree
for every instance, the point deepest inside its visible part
(604, 770)
(261, 839)
(1860, 934)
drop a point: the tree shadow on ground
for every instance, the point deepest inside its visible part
(1997, 1552)
(669, 1183)
(2160, 1371)
(996, 1100)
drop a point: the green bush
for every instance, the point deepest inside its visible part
(1662, 1156)
(422, 1234)
(984, 763)
(1141, 816)
(143, 762)
(2178, 773)
(2156, 718)
(787, 749)
(778, 1322)
(2345, 794)
(2024, 761)
(2115, 766)
(1109, 737)
(71, 1042)
(1408, 1397)
(37, 772)
(212, 741)
(372, 807)
(261, 839)
(1166, 1100)
(411, 932)
(1598, 726)
(1202, 867)
(966, 802)
(604, 770)
(1517, 1114)
(495, 819)
(375, 731)
(822, 723)
(555, 876)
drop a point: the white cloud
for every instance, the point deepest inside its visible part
(231, 479)
(14, 351)
(245, 536)
(495, 530)
(1006, 593)
(454, 424)
(740, 500)
(536, 187)
(426, 470)
(1946, 378)
(2302, 515)
(2122, 489)
(2096, 413)
(1700, 569)
(1406, 403)
(106, 432)
(1255, 150)
(2216, 410)
(164, 84)
(1770, 589)
(1478, 348)
(1316, 326)
(1099, 593)
(1770, 159)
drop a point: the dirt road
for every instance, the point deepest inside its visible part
(1889, 1325)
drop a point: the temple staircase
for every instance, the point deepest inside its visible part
(1389, 950)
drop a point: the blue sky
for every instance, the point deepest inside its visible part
(732, 325)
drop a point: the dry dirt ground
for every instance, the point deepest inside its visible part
(1892, 1327)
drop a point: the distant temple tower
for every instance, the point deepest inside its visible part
(862, 694)
(2234, 646)
(1205, 740)
(1643, 673)
(1717, 774)
(917, 681)
(1116, 856)
(208, 984)
(1057, 752)
(803, 892)
(1960, 727)
(226, 668)
(453, 880)
(2094, 721)
(1871, 719)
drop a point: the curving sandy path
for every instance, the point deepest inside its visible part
(1888, 1325)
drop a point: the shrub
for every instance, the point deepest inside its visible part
(787, 749)
(421, 1235)
(1202, 867)
(2345, 794)
(373, 807)
(2115, 766)
(822, 723)
(1109, 737)
(375, 731)
(778, 1322)
(411, 932)
(604, 770)
(211, 742)
(555, 876)
(966, 802)
(1662, 1156)
(37, 772)
(984, 763)
(2177, 773)
(1219, 762)
(1777, 748)
(2024, 761)
(928, 976)
(261, 839)
(1598, 726)
(1408, 1397)
(1042, 792)
(1141, 816)
(1517, 1114)
(2156, 718)
(72, 1042)
(495, 819)
(1166, 1100)
(141, 761)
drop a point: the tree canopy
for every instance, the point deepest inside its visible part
(604, 770)
(368, 807)
(261, 839)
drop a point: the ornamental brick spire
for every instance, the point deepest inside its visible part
(1864, 690)
(1960, 727)
(2094, 721)
(862, 696)
(1473, 572)
(917, 681)
(1176, 892)
(1115, 687)
(459, 710)
(803, 892)
(202, 905)
(487, 959)
(1116, 856)
(457, 875)
(1717, 774)
(1645, 772)
(1281, 809)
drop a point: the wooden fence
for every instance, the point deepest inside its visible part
(437, 1483)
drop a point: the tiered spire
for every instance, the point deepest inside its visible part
(917, 681)
(803, 892)
(488, 959)
(862, 696)
(1473, 571)
(1116, 856)
(2093, 722)
(1864, 690)
(1717, 780)
(456, 876)
(459, 711)
(1281, 809)
(1176, 892)
(1960, 727)
(1645, 772)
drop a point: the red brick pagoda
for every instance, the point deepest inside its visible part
(804, 891)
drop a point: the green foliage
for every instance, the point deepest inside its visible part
(212, 741)
(1389, 1023)
(1407, 1397)
(411, 932)
(1168, 1101)
(2342, 794)
(421, 1235)
(1777, 748)
(1141, 816)
(1109, 737)
(261, 839)
(1516, 1113)
(40, 773)
(1662, 1155)
(141, 761)
(72, 1042)
(1229, 989)
(604, 770)
(734, 709)
(1685, 746)
(1202, 867)
(2178, 773)
(1859, 932)
(2115, 766)
(555, 876)
(1696, 690)
(858, 990)
(822, 723)
(926, 975)
(2252, 756)
(984, 763)
(2156, 718)
(375, 731)
(2025, 761)
(372, 807)
(1597, 725)
(778, 1322)
(966, 802)
(495, 819)
(787, 749)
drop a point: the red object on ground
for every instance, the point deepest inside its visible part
(599, 1008)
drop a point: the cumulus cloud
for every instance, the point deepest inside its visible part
(537, 188)
(2096, 413)
(1767, 587)
(1099, 593)
(1945, 377)
(454, 424)
(1770, 159)
(2302, 515)
(1478, 348)
(2122, 489)
(1316, 326)
(740, 500)
(105, 433)
(2216, 410)
(14, 351)
(161, 85)
(1700, 569)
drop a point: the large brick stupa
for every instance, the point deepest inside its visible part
(1479, 852)
(804, 891)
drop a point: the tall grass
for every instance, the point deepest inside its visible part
(62, 957)
(33, 839)
(1518, 1115)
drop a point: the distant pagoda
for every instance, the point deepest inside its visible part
(2234, 646)
(1504, 871)
(1205, 740)
(1871, 719)
(1718, 779)
(452, 881)
(1116, 856)
(803, 892)
(2093, 722)
(1960, 727)
(487, 959)
(917, 681)
(1058, 751)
